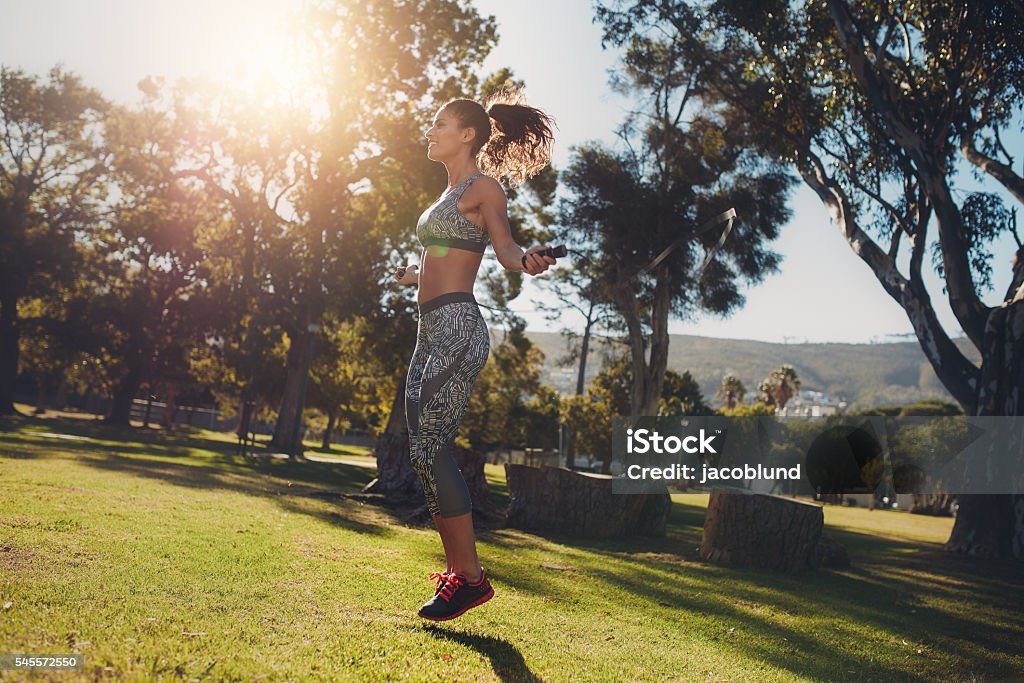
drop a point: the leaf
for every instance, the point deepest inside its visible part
(557, 567)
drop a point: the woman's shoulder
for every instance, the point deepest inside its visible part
(484, 186)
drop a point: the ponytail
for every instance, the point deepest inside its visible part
(520, 147)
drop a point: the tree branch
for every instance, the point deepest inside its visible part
(884, 95)
(998, 170)
(957, 373)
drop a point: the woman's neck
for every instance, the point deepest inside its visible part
(459, 172)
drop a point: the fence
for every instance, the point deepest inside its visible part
(205, 418)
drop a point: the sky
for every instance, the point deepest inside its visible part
(823, 292)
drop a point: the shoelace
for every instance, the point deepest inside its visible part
(452, 583)
(439, 578)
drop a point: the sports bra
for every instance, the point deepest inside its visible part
(442, 224)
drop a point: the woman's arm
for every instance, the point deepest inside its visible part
(494, 208)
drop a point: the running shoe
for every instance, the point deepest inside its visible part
(456, 597)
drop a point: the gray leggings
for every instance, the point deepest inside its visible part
(452, 344)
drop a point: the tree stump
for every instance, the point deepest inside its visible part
(830, 553)
(398, 484)
(761, 530)
(581, 505)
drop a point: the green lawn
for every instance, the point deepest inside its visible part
(165, 557)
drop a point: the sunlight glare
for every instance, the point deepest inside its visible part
(257, 49)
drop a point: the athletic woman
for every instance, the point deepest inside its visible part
(507, 139)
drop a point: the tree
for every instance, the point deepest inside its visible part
(609, 396)
(378, 69)
(681, 395)
(239, 146)
(731, 392)
(541, 418)
(779, 387)
(347, 382)
(497, 414)
(874, 104)
(49, 164)
(143, 286)
(684, 163)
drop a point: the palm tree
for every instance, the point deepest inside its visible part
(731, 392)
(780, 386)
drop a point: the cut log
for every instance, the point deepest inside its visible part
(560, 501)
(761, 530)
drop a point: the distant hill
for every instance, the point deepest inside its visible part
(861, 374)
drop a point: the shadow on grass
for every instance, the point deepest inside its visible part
(896, 591)
(205, 463)
(506, 660)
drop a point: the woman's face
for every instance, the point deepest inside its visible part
(446, 137)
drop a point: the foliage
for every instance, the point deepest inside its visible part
(50, 160)
(683, 162)
(498, 414)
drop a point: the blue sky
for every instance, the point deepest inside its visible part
(823, 292)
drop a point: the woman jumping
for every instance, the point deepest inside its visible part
(452, 341)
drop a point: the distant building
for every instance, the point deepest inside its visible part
(812, 404)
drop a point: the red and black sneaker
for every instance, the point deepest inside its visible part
(439, 578)
(456, 597)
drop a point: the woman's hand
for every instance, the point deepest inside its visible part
(535, 263)
(407, 275)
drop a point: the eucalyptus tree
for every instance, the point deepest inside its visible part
(140, 299)
(50, 162)
(878, 105)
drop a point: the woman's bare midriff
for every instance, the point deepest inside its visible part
(446, 269)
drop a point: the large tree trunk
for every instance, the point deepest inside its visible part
(326, 443)
(745, 529)
(993, 525)
(989, 526)
(288, 420)
(396, 479)
(121, 402)
(171, 407)
(9, 333)
(579, 505)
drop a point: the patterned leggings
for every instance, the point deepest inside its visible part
(452, 345)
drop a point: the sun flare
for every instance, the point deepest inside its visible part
(256, 47)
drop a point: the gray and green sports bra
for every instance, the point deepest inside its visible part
(442, 224)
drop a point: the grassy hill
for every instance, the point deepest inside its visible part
(861, 374)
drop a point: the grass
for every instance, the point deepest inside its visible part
(165, 556)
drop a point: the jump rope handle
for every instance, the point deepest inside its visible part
(554, 252)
